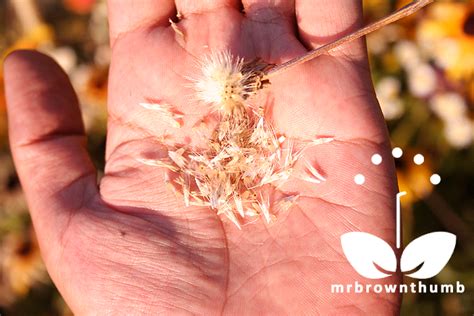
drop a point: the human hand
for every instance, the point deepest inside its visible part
(129, 245)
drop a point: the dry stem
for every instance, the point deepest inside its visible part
(401, 13)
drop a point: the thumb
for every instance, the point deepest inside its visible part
(48, 142)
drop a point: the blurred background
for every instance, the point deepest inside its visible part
(423, 69)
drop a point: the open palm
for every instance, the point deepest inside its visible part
(130, 245)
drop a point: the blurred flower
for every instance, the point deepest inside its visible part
(412, 178)
(452, 109)
(6, 295)
(448, 106)
(40, 35)
(103, 55)
(447, 34)
(422, 80)
(21, 264)
(13, 209)
(407, 53)
(64, 56)
(387, 91)
(79, 6)
(376, 8)
(90, 82)
(459, 133)
(98, 25)
(97, 85)
(378, 42)
(99, 31)
(390, 63)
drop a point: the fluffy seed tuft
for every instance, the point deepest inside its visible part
(225, 81)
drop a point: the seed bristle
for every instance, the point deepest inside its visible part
(244, 160)
(168, 112)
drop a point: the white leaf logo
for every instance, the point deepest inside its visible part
(432, 251)
(423, 258)
(363, 250)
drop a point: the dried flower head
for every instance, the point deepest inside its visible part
(21, 266)
(226, 81)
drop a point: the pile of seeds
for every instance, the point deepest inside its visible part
(244, 161)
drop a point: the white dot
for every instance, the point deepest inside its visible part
(376, 159)
(435, 179)
(359, 179)
(419, 159)
(397, 152)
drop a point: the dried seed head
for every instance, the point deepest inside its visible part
(224, 82)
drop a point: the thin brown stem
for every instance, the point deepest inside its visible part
(401, 13)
